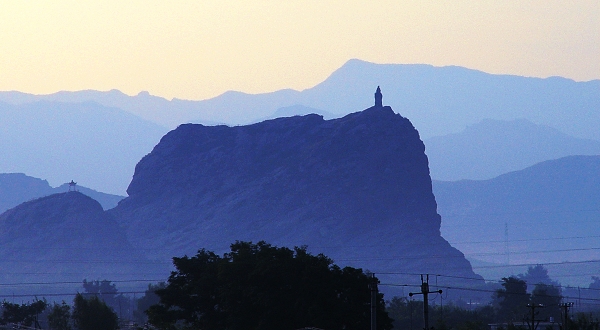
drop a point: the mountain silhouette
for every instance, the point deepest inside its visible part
(17, 188)
(445, 103)
(494, 147)
(355, 188)
(93, 144)
(65, 237)
(439, 100)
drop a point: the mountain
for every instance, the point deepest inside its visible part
(355, 188)
(17, 188)
(86, 142)
(494, 147)
(439, 100)
(546, 213)
(65, 237)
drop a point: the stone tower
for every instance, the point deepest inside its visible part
(378, 98)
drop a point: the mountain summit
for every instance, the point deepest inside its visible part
(355, 188)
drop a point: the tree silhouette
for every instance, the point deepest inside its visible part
(26, 314)
(537, 274)
(93, 314)
(511, 301)
(549, 296)
(259, 286)
(59, 317)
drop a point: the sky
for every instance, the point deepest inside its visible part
(199, 49)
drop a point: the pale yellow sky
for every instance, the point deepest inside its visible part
(199, 49)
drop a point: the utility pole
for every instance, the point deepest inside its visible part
(425, 292)
(566, 307)
(533, 325)
(373, 287)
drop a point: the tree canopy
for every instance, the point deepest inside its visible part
(93, 314)
(512, 299)
(26, 314)
(59, 317)
(260, 286)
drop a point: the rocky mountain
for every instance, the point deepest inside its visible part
(547, 213)
(356, 188)
(17, 188)
(493, 147)
(92, 144)
(65, 237)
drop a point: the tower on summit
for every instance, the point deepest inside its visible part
(72, 186)
(378, 98)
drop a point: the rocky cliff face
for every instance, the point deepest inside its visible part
(356, 188)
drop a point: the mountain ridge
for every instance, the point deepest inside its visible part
(489, 149)
(74, 141)
(439, 100)
(17, 188)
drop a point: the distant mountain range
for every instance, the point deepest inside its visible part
(439, 100)
(17, 188)
(76, 133)
(546, 213)
(89, 143)
(493, 147)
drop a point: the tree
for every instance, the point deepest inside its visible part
(549, 296)
(585, 322)
(259, 286)
(150, 298)
(25, 314)
(537, 274)
(511, 301)
(93, 314)
(108, 292)
(97, 287)
(59, 317)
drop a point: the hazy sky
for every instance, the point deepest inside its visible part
(199, 49)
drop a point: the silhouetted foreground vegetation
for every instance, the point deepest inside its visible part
(512, 306)
(259, 286)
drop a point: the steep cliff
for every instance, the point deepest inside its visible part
(356, 188)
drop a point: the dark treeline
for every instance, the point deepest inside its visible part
(259, 286)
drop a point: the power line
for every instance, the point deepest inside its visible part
(526, 240)
(76, 282)
(468, 215)
(535, 264)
